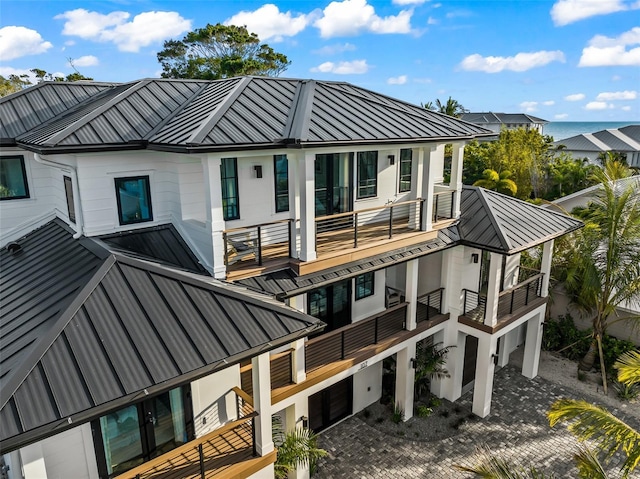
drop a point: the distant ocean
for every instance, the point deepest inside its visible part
(560, 130)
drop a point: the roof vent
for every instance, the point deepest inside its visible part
(14, 248)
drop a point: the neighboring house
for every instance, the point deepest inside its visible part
(496, 122)
(624, 140)
(184, 259)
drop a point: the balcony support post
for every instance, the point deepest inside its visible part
(405, 377)
(532, 345)
(306, 179)
(411, 293)
(298, 372)
(261, 377)
(433, 159)
(483, 385)
(493, 290)
(215, 216)
(294, 417)
(456, 176)
(547, 254)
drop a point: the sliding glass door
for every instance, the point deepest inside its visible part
(333, 190)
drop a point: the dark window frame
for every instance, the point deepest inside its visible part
(147, 192)
(366, 283)
(368, 184)
(25, 181)
(281, 193)
(223, 178)
(68, 192)
(405, 178)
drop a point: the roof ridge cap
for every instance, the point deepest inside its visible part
(482, 192)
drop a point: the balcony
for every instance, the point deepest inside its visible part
(512, 302)
(337, 350)
(340, 238)
(228, 452)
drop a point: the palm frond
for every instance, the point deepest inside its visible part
(489, 466)
(628, 366)
(589, 467)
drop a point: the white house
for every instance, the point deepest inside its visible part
(182, 259)
(496, 122)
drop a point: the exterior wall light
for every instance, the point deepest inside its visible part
(392, 159)
(258, 169)
(305, 421)
(475, 257)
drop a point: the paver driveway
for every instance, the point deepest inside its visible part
(516, 429)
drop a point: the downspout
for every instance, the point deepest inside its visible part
(74, 185)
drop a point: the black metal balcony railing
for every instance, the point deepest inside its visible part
(443, 206)
(429, 305)
(253, 243)
(509, 300)
(337, 345)
(371, 224)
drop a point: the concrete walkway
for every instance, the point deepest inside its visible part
(516, 429)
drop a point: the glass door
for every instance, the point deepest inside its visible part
(333, 191)
(331, 304)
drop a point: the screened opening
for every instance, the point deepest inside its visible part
(13, 178)
(134, 199)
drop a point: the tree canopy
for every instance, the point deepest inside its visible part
(220, 51)
(15, 83)
(451, 107)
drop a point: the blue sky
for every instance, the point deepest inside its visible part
(561, 60)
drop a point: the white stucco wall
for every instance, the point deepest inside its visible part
(366, 307)
(214, 404)
(367, 386)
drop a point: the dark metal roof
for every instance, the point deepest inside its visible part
(613, 142)
(237, 113)
(490, 117)
(500, 223)
(34, 106)
(624, 139)
(632, 131)
(285, 283)
(121, 329)
(162, 243)
(579, 143)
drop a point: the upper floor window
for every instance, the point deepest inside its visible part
(134, 199)
(230, 196)
(68, 192)
(405, 170)
(281, 168)
(364, 285)
(367, 174)
(13, 178)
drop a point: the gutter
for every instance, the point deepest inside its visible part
(74, 185)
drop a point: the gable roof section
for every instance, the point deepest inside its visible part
(36, 105)
(238, 113)
(132, 328)
(499, 223)
(490, 117)
(625, 139)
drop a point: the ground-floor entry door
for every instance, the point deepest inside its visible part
(331, 405)
(470, 360)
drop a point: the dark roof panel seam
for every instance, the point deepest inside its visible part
(230, 320)
(74, 361)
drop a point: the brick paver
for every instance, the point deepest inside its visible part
(516, 429)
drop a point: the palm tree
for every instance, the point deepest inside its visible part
(451, 107)
(602, 271)
(500, 182)
(587, 422)
(296, 448)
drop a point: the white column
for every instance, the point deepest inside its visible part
(456, 176)
(261, 377)
(411, 293)
(493, 291)
(547, 254)
(405, 378)
(511, 268)
(294, 417)
(294, 204)
(483, 385)
(298, 371)
(33, 465)
(507, 343)
(215, 217)
(432, 161)
(532, 345)
(306, 179)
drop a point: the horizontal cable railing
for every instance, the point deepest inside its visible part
(254, 243)
(338, 344)
(520, 295)
(430, 305)
(373, 224)
(443, 202)
(475, 305)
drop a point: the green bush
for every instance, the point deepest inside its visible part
(612, 348)
(561, 334)
(424, 411)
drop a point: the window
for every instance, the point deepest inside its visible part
(13, 178)
(134, 200)
(229, 179)
(281, 167)
(367, 174)
(405, 170)
(68, 191)
(364, 285)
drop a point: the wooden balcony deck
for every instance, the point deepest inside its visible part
(226, 453)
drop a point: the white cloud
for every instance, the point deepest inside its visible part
(575, 97)
(617, 95)
(616, 78)
(16, 42)
(84, 61)
(560, 116)
(597, 105)
(606, 51)
(529, 106)
(549, 103)
(343, 68)
(268, 22)
(143, 30)
(564, 12)
(518, 63)
(335, 49)
(351, 17)
(399, 80)
(432, 21)
(409, 2)
(626, 108)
